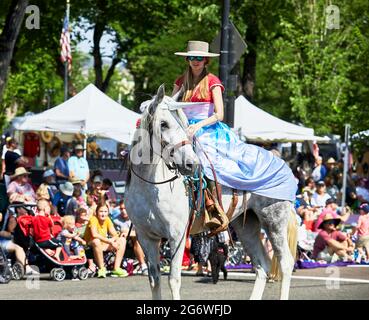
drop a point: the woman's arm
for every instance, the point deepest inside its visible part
(96, 235)
(218, 112)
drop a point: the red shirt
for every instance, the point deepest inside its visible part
(42, 228)
(323, 238)
(213, 82)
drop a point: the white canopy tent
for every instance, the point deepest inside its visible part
(258, 125)
(89, 112)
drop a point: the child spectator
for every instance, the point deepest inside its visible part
(42, 230)
(62, 198)
(362, 231)
(99, 227)
(83, 218)
(71, 239)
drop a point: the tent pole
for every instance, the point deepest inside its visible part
(85, 147)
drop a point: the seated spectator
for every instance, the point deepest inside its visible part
(61, 165)
(62, 198)
(91, 201)
(308, 190)
(81, 225)
(362, 192)
(97, 232)
(43, 228)
(123, 223)
(320, 196)
(332, 189)
(362, 232)
(330, 244)
(73, 203)
(106, 185)
(9, 247)
(19, 190)
(70, 237)
(306, 212)
(331, 207)
(47, 189)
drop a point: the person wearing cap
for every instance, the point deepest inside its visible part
(63, 197)
(320, 171)
(47, 189)
(20, 190)
(330, 244)
(362, 232)
(61, 165)
(78, 166)
(320, 196)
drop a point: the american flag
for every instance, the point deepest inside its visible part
(66, 52)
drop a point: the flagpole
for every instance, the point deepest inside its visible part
(66, 62)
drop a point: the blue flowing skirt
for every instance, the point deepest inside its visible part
(243, 166)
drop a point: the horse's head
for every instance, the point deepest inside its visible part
(163, 130)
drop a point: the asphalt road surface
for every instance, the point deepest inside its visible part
(339, 283)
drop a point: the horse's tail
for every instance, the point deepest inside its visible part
(275, 271)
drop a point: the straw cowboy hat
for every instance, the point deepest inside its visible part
(331, 161)
(197, 49)
(20, 172)
(75, 180)
(329, 217)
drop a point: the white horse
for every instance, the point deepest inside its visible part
(158, 204)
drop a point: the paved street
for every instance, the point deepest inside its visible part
(306, 285)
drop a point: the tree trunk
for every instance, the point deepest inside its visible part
(98, 33)
(9, 37)
(249, 66)
(109, 74)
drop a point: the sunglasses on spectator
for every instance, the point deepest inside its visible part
(192, 58)
(330, 222)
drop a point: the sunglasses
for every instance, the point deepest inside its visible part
(330, 222)
(192, 58)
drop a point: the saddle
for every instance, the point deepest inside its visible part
(213, 217)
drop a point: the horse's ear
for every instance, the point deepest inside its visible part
(161, 93)
(158, 99)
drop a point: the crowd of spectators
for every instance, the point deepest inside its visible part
(341, 232)
(91, 221)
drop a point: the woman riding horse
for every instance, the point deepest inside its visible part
(237, 165)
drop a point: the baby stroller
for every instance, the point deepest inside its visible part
(46, 263)
(15, 268)
(5, 268)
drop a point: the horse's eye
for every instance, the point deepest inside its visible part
(164, 125)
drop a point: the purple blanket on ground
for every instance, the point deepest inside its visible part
(302, 265)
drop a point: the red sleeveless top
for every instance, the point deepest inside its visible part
(213, 82)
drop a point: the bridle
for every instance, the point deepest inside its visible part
(169, 166)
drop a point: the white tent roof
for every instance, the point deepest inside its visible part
(256, 124)
(90, 112)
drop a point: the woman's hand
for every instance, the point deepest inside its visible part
(192, 129)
